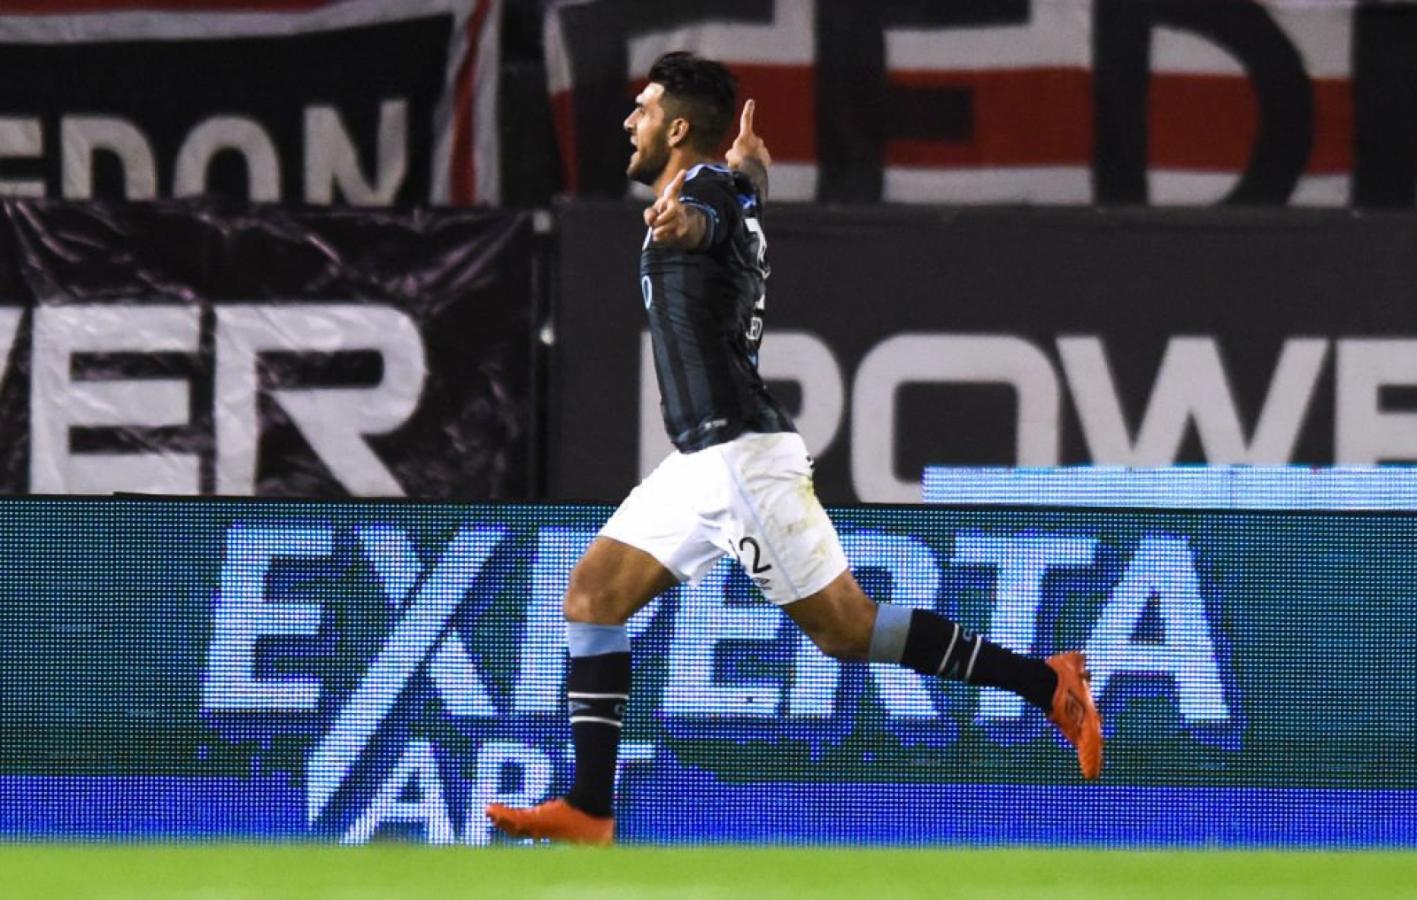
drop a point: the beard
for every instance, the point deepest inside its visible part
(648, 162)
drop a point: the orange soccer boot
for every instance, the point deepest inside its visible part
(554, 820)
(1074, 712)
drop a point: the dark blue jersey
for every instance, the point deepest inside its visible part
(706, 308)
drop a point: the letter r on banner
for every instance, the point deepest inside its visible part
(333, 420)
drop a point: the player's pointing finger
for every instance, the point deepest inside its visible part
(672, 189)
(745, 122)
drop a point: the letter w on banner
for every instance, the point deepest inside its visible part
(1007, 101)
(365, 102)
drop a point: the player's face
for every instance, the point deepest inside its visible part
(649, 135)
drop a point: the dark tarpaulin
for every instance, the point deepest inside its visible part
(463, 278)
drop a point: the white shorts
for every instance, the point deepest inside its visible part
(751, 497)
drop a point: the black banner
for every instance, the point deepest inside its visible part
(906, 337)
(363, 102)
(183, 348)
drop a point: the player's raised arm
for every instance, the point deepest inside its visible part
(672, 222)
(749, 154)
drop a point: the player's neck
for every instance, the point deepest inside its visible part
(679, 160)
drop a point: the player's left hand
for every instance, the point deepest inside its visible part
(748, 147)
(671, 222)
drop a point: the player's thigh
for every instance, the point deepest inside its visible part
(775, 525)
(671, 516)
(838, 618)
(612, 581)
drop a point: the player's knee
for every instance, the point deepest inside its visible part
(579, 606)
(586, 602)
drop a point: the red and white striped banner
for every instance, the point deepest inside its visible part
(1023, 101)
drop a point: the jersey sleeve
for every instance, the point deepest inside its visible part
(720, 203)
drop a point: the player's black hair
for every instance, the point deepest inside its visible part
(700, 90)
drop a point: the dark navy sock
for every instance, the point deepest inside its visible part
(597, 689)
(933, 645)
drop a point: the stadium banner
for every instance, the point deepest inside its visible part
(195, 348)
(192, 669)
(902, 337)
(359, 102)
(1257, 102)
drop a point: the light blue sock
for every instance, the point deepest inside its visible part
(584, 639)
(888, 634)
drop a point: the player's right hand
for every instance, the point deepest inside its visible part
(672, 223)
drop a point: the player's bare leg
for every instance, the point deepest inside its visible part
(611, 582)
(845, 623)
(839, 618)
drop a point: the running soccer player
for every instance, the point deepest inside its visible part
(740, 479)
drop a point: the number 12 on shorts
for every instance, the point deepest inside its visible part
(754, 563)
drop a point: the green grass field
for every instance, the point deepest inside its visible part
(229, 871)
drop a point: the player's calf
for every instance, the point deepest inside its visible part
(933, 645)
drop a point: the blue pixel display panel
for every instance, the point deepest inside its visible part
(191, 669)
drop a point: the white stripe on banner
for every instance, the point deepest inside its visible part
(1057, 35)
(558, 58)
(1177, 487)
(486, 144)
(1171, 188)
(793, 181)
(1024, 184)
(789, 40)
(176, 26)
(1322, 190)
(1321, 33)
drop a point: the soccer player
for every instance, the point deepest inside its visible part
(740, 479)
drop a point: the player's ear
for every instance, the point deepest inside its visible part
(678, 132)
